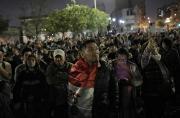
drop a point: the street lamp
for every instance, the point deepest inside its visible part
(121, 21)
(95, 4)
(168, 20)
(114, 19)
(178, 25)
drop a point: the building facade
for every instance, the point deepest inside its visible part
(169, 15)
(131, 12)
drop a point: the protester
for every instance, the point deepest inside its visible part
(171, 59)
(30, 91)
(144, 55)
(129, 78)
(5, 91)
(90, 87)
(57, 78)
(26, 52)
(156, 82)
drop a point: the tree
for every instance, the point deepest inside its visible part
(99, 20)
(141, 16)
(160, 23)
(76, 18)
(3, 25)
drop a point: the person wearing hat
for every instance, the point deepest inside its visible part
(57, 78)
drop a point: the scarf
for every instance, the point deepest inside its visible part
(82, 75)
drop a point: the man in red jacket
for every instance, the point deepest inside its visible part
(90, 85)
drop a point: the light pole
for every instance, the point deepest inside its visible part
(73, 1)
(95, 4)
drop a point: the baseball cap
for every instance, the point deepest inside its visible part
(59, 52)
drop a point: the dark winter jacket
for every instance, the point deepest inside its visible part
(156, 79)
(105, 93)
(30, 87)
(57, 78)
(171, 59)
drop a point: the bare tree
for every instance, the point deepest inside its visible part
(33, 12)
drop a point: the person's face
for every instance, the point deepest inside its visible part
(164, 45)
(91, 52)
(26, 54)
(1, 56)
(59, 60)
(113, 49)
(38, 44)
(16, 52)
(122, 58)
(31, 62)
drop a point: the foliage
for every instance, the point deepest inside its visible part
(76, 18)
(98, 20)
(160, 23)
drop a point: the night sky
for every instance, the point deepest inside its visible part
(11, 9)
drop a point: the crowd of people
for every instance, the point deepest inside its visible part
(134, 75)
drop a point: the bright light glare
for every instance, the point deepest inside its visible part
(114, 19)
(121, 21)
(168, 20)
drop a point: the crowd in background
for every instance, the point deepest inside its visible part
(30, 74)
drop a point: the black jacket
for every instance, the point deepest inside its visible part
(30, 84)
(105, 93)
(156, 80)
(172, 61)
(57, 78)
